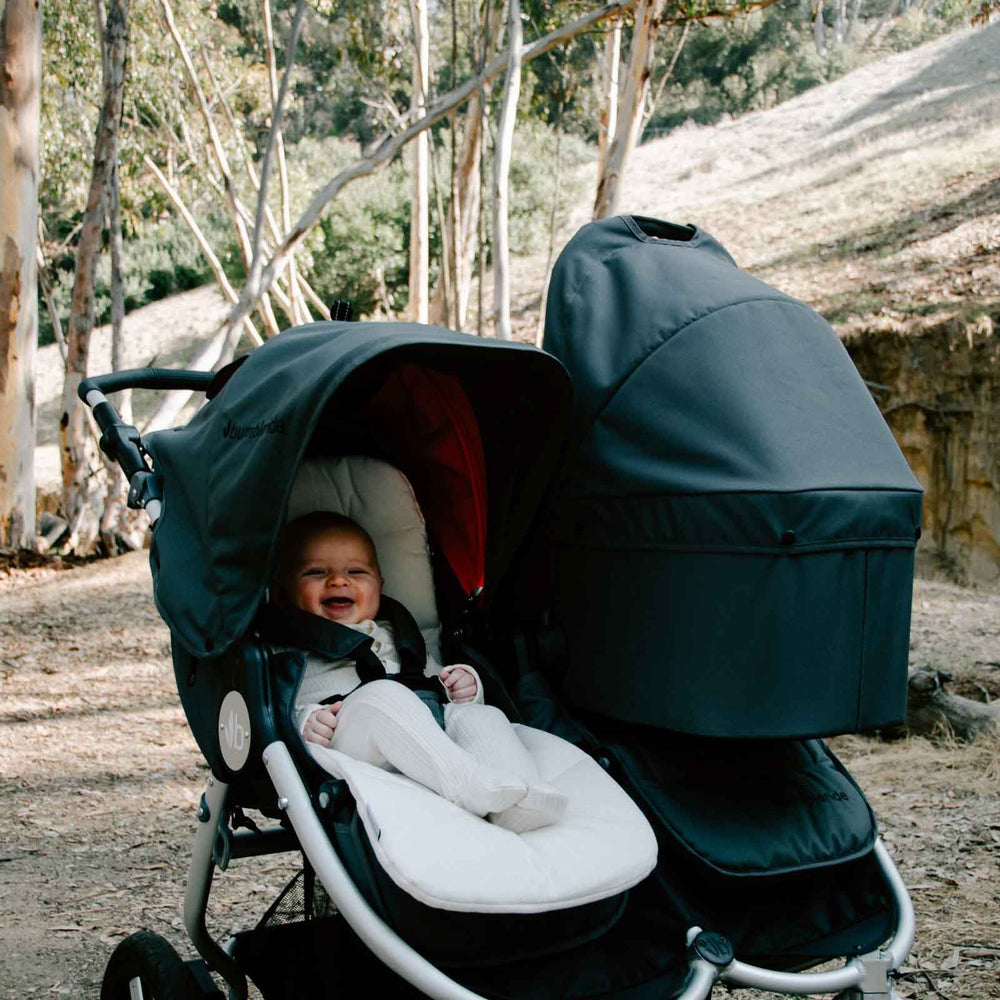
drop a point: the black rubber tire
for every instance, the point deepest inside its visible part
(152, 959)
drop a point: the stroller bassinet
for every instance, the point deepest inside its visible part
(220, 488)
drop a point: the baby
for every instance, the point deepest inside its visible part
(464, 750)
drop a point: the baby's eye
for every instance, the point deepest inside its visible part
(358, 572)
(314, 571)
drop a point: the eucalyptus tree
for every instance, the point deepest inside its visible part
(82, 503)
(20, 84)
(634, 87)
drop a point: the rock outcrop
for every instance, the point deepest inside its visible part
(939, 390)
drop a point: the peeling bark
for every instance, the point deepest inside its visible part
(20, 83)
(608, 121)
(631, 107)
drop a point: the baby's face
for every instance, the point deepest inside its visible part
(336, 576)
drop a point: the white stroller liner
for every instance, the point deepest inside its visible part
(600, 848)
(603, 845)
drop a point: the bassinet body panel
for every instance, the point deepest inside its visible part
(733, 503)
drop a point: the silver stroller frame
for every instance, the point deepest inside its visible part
(710, 958)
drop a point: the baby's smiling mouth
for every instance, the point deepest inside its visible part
(338, 602)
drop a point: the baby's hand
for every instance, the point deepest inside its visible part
(459, 683)
(320, 725)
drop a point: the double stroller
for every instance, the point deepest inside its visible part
(676, 544)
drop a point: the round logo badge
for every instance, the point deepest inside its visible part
(234, 730)
(714, 948)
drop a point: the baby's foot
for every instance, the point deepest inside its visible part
(491, 791)
(542, 806)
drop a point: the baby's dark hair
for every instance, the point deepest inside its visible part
(295, 533)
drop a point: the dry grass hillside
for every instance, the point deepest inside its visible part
(876, 199)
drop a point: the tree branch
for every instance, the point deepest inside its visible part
(389, 145)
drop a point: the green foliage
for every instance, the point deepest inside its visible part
(921, 24)
(532, 179)
(366, 228)
(729, 68)
(561, 83)
(163, 261)
(733, 67)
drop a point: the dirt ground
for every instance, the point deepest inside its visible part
(100, 780)
(875, 199)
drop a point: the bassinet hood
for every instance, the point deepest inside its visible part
(227, 475)
(695, 380)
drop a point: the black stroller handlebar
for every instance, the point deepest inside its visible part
(121, 441)
(146, 378)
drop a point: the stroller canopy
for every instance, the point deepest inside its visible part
(720, 435)
(474, 424)
(693, 377)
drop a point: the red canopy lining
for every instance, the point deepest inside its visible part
(426, 421)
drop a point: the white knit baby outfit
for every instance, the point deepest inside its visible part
(478, 762)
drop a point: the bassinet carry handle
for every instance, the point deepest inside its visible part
(121, 441)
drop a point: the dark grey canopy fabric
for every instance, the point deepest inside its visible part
(733, 521)
(691, 376)
(227, 475)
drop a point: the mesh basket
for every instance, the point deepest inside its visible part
(303, 898)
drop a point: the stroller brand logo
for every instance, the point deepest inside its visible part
(818, 798)
(236, 736)
(234, 730)
(242, 432)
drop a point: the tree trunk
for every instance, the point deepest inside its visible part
(609, 95)
(840, 24)
(819, 28)
(243, 239)
(464, 212)
(121, 529)
(48, 293)
(462, 223)
(501, 175)
(81, 494)
(933, 711)
(298, 313)
(20, 90)
(550, 257)
(419, 209)
(855, 11)
(254, 289)
(632, 105)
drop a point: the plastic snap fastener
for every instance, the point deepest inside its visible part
(788, 537)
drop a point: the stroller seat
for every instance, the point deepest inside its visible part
(602, 846)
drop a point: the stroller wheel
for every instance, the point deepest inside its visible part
(145, 967)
